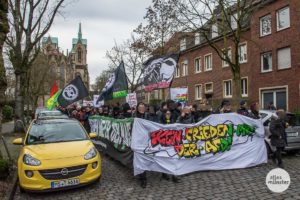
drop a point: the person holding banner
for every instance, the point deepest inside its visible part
(140, 113)
(278, 136)
(186, 116)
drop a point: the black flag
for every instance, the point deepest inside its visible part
(158, 72)
(116, 86)
(73, 92)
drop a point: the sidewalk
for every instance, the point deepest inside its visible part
(9, 136)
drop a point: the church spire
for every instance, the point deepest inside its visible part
(79, 32)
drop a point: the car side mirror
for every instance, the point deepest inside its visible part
(18, 141)
(93, 135)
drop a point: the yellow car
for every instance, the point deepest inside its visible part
(57, 154)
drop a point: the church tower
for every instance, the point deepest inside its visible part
(79, 57)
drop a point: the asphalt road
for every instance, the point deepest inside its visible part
(118, 183)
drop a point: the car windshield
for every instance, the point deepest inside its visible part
(53, 113)
(294, 120)
(51, 132)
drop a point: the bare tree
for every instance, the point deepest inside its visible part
(40, 77)
(29, 21)
(219, 20)
(133, 57)
(159, 27)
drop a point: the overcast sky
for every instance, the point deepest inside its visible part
(102, 22)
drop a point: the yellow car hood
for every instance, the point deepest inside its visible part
(58, 150)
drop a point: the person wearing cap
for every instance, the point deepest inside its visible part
(243, 108)
(278, 136)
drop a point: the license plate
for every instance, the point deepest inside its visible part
(65, 183)
(293, 134)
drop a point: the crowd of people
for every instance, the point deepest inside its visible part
(173, 112)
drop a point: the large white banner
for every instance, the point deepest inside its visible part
(221, 141)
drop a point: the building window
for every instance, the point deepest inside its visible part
(243, 53)
(276, 96)
(266, 62)
(284, 58)
(198, 92)
(214, 31)
(197, 38)
(244, 87)
(198, 65)
(227, 89)
(266, 25)
(177, 72)
(184, 69)
(208, 62)
(234, 19)
(79, 55)
(182, 44)
(283, 18)
(229, 53)
(209, 88)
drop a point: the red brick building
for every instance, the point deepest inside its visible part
(270, 61)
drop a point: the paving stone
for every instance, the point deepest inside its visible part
(118, 183)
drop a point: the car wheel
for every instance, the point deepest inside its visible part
(22, 189)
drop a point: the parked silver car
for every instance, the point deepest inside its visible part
(293, 136)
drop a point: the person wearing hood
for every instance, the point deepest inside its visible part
(162, 110)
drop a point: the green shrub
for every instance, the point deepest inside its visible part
(7, 112)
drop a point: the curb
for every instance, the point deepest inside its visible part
(12, 187)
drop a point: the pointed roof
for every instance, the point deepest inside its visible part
(79, 39)
(79, 32)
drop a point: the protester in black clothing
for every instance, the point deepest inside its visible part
(105, 111)
(243, 108)
(278, 136)
(271, 106)
(100, 111)
(151, 114)
(162, 110)
(186, 116)
(195, 113)
(126, 111)
(167, 118)
(86, 115)
(254, 111)
(177, 111)
(140, 113)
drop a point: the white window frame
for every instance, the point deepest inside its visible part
(224, 63)
(246, 88)
(290, 56)
(185, 68)
(233, 21)
(211, 62)
(183, 44)
(214, 30)
(246, 60)
(209, 91)
(197, 38)
(276, 89)
(261, 25)
(196, 92)
(278, 20)
(224, 88)
(262, 62)
(177, 72)
(200, 65)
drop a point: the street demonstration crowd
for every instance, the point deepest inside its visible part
(171, 112)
